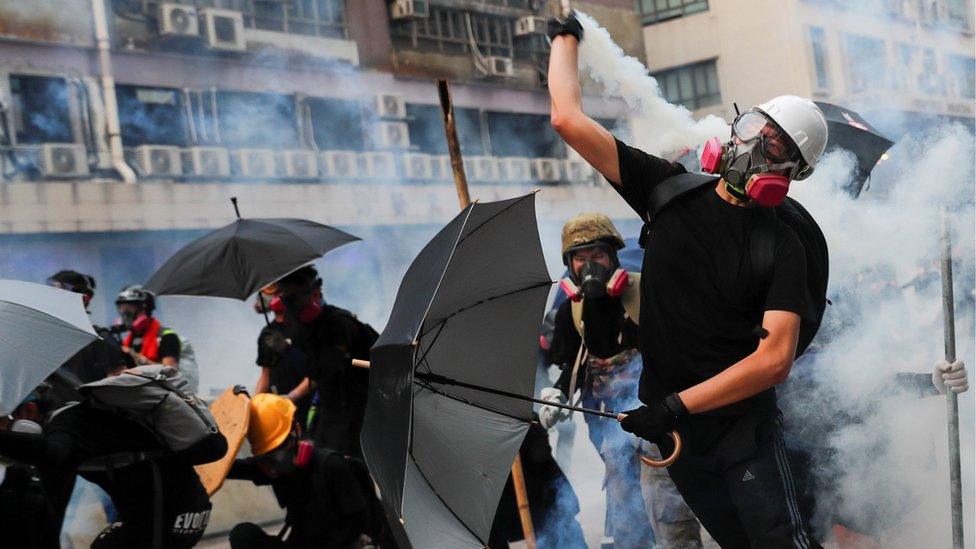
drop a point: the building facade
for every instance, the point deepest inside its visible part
(900, 63)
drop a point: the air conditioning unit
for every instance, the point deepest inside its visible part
(254, 162)
(224, 29)
(517, 169)
(410, 9)
(178, 20)
(380, 165)
(62, 160)
(545, 170)
(207, 162)
(340, 164)
(499, 66)
(392, 135)
(418, 166)
(482, 168)
(158, 161)
(577, 170)
(300, 164)
(389, 105)
(530, 24)
(441, 168)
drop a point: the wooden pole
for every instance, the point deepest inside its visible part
(464, 199)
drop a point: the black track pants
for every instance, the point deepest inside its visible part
(751, 503)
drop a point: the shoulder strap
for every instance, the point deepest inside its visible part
(577, 309)
(631, 297)
(666, 192)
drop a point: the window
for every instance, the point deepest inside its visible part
(263, 120)
(694, 86)
(956, 14)
(41, 111)
(655, 11)
(521, 134)
(325, 18)
(337, 124)
(151, 115)
(818, 43)
(929, 78)
(446, 31)
(962, 71)
(866, 63)
(426, 128)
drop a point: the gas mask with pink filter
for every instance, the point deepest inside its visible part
(753, 161)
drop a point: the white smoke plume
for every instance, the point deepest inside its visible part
(625, 77)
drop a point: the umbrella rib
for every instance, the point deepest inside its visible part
(444, 272)
(483, 301)
(427, 385)
(423, 358)
(498, 213)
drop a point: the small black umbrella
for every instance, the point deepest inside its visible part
(239, 259)
(849, 131)
(441, 427)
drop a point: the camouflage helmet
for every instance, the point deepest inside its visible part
(587, 229)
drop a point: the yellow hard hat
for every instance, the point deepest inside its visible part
(587, 229)
(270, 422)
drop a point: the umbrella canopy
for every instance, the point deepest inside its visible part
(241, 258)
(849, 131)
(40, 328)
(468, 309)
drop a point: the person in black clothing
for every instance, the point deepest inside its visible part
(83, 433)
(284, 373)
(712, 349)
(329, 338)
(321, 490)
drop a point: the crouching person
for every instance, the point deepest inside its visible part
(323, 492)
(143, 461)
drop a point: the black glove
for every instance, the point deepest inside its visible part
(276, 342)
(657, 418)
(570, 26)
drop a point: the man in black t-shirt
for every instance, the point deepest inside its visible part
(713, 347)
(328, 338)
(282, 374)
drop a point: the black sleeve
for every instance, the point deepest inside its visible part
(639, 173)
(333, 355)
(32, 449)
(787, 288)
(169, 346)
(565, 339)
(246, 469)
(267, 358)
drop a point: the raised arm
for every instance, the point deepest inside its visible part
(591, 140)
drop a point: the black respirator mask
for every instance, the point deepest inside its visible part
(593, 279)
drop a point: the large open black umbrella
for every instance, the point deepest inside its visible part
(849, 131)
(464, 322)
(239, 259)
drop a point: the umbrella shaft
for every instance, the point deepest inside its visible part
(439, 379)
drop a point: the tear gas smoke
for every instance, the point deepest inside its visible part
(626, 77)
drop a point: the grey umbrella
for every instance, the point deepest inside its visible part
(40, 328)
(442, 427)
(849, 131)
(239, 259)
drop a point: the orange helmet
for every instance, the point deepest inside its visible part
(270, 422)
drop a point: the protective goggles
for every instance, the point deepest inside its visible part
(775, 144)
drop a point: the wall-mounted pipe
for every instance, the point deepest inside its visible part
(108, 92)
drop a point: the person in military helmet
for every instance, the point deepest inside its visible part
(147, 341)
(595, 345)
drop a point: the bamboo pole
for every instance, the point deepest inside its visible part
(464, 199)
(952, 405)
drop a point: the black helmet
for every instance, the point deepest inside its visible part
(73, 281)
(135, 293)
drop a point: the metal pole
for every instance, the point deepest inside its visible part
(952, 405)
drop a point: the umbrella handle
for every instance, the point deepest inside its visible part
(668, 460)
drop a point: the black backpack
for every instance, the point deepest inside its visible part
(762, 246)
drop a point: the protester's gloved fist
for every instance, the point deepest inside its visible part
(551, 415)
(570, 26)
(654, 420)
(952, 377)
(276, 342)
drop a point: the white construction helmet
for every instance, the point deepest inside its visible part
(806, 125)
